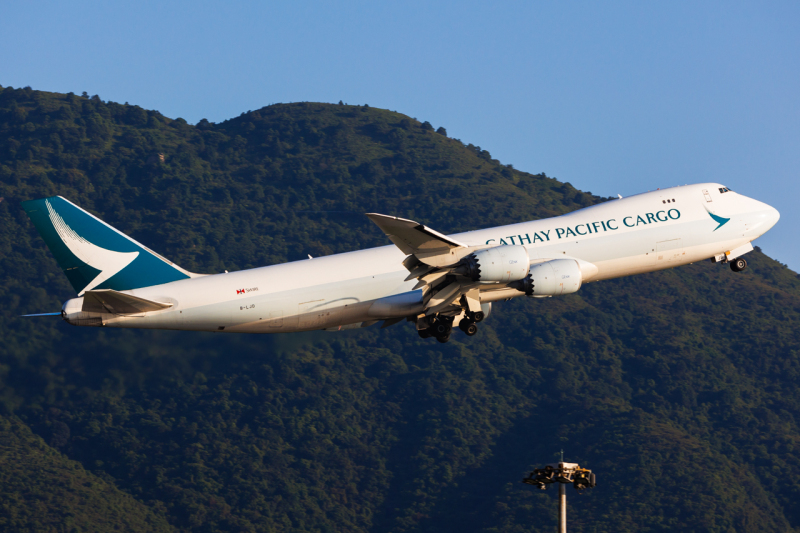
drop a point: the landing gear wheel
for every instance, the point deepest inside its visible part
(425, 333)
(739, 264)
(443, 338)
(478, 316)
(468, 327)
(440, 328)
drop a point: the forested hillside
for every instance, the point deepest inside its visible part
(680, 389)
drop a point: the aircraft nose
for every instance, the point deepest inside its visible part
(772, 216)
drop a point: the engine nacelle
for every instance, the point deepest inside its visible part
(551, 278)
(500, 264)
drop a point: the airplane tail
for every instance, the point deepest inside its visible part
(92, 254)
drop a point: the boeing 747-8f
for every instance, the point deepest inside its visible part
(438, 282)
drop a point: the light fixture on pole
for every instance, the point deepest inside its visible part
(563, 474)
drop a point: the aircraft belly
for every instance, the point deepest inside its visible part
(315, 320)
(319, 307)
(626, 266)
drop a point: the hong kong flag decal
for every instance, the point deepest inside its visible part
(239, 291)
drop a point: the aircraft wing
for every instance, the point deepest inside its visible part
(427, 245)
(118, 303)
(431, 258)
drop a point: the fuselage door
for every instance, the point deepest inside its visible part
(708, 196)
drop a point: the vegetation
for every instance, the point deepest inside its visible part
(43, 490)
(680, 389)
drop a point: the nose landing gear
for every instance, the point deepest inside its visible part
(738, 264)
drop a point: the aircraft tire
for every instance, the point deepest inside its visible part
(738, 264)
(425, 333)
(468, 327)
(478, 316)
(440, 328)
(443, 338)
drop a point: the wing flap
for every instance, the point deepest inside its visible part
(118, 303)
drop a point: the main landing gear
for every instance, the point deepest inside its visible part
(738, 264)
(439, 328)
(442, 326)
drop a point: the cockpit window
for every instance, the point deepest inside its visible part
(723, 190)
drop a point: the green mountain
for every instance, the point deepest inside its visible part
(44, 491)
(680, 389)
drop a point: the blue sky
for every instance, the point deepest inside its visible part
(613, 97)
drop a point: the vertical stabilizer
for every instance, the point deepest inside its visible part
(92, 254)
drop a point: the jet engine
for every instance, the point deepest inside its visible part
(500, 264)
(551, 278)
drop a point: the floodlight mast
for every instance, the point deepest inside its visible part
(562, 473)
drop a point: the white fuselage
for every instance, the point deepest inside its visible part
(643, 233)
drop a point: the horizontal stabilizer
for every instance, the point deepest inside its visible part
(117, 303)
(414, 238)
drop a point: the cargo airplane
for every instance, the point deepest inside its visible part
(436, 281)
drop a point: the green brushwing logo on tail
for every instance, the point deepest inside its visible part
(92, 254)
(718, 219)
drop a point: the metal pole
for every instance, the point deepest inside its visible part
(562, 508)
